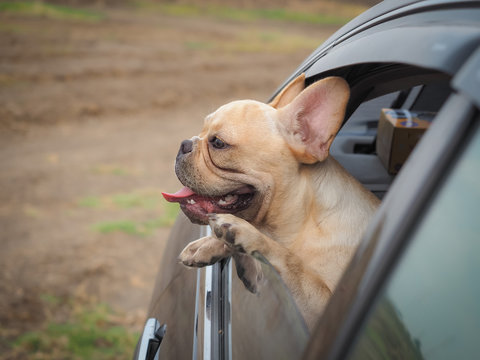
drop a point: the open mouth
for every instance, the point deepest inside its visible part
(197, 207)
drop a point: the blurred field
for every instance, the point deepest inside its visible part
(93, 104)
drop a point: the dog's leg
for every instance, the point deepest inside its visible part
(307, 287)
(249, 271)
(204, 251)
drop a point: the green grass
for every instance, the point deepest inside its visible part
(42, 9)
(199, 45)
(90, 202)
(246, 15)
(148, 199)
(140, 228)
(135, 228)
(131, 200)
(90, 332)
(277, 15)
(126, 226)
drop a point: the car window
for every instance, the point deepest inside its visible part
(267, 324)
(429, 307)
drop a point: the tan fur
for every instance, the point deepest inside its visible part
(309, 214)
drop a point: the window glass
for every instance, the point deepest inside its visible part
(267, 324)
(430, 307)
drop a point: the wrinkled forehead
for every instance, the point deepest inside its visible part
(240, 113)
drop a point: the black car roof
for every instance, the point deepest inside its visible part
(436, 34)
(373, 13)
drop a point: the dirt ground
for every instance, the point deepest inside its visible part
(91, 111)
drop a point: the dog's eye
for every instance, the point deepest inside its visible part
(218, 143)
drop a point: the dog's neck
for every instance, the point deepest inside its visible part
(328, 197)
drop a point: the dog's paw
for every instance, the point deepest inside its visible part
(235, 232)
(205, 251)
(249, 271)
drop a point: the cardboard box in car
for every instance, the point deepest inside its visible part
(398, 132)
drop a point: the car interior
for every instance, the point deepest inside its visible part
(417, 90)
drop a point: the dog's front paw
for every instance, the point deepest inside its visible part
(203, 252)
(236, 233)
(249, 271)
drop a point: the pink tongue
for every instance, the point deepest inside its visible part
(179, 195)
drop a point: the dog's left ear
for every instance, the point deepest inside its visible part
(310, 122)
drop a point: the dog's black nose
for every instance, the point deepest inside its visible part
(186, 146)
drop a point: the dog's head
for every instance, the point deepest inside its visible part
(249, 152)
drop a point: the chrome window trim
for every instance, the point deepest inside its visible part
(228, 311)
(207, 314)
(216, 297)
(195, 322)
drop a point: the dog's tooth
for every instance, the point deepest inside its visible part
(191, 201)
(227, 199)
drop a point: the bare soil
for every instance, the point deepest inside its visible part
(94, 109)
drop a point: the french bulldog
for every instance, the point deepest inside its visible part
(261, 176)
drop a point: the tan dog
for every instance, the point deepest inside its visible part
(262, 177)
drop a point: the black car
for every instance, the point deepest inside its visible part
(411, 290)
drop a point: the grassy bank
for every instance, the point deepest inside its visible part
(247, 15)
(82, 331)
(325, 13)
(47, 10)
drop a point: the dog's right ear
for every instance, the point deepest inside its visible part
(289, 92)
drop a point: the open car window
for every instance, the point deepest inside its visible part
(415, 92)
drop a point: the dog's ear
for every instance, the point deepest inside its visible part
(310, 122)
(289, 92)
